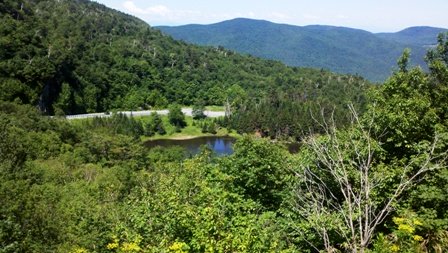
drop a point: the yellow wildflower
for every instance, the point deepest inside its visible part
(130, 247)
(398, 220)
(179, 247)
(417, 222)
(406, 228)
(80, 250)
(113, 245)
(417, 238)
(394, 248)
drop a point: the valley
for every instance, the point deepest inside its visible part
(317, 138)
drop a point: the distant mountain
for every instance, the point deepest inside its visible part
(339, 49)
(419, 35)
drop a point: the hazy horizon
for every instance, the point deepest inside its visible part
(373, 16)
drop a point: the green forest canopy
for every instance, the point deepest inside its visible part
(89, 188)
(68, 187)
(79, 56)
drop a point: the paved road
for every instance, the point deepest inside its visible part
(186, 111)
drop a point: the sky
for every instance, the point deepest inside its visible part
(370, 15)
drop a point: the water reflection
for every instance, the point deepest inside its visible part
(221, 145)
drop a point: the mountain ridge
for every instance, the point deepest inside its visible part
(339, 49)
(416, 35)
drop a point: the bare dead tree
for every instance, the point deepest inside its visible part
(341, 186)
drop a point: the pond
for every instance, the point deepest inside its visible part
(221, 145)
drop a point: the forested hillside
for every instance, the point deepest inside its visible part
(79, 56)
(370, 175)
(420, 36)
(376, 185)
(339, 49)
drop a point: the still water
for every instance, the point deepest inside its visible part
(221, 145)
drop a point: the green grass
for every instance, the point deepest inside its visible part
(80, 122)
(189, 131)
(215, 108)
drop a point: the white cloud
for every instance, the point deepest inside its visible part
(164, 15)
(159, 12)
(132, 8)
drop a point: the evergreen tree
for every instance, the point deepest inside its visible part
(204, 127)
(211, 127)
(155, 125)
(176, 117)
(198, 111)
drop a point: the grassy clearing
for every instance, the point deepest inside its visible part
(79, 122)
(190, 131)
(215, 108)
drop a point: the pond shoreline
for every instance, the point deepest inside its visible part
(190, 137)
(188, 140)
(221, 145)
(181, 136)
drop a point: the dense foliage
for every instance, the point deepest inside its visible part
(176, 116)
(375, 181)
(69, 188)
(92, 187)
(381, 181)
(155, 125)
(419, 35)
(296, 112)
(339, 49)
(79, 56)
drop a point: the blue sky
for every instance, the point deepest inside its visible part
(371, 15)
